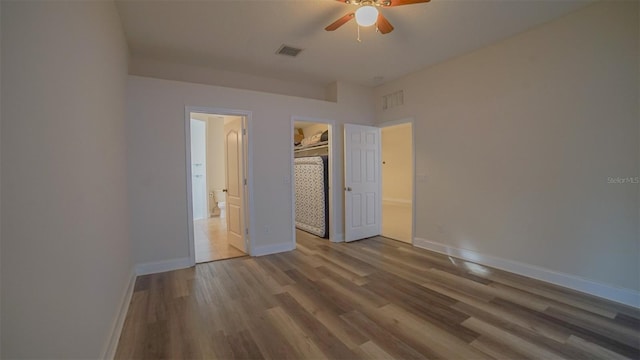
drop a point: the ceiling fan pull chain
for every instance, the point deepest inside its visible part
(358, 33)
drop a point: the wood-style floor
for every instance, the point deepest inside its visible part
(372, 299)
(211, 243)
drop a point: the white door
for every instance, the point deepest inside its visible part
(362, 202)
(233, 145)
(198, 168)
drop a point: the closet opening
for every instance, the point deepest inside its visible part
(217, 179)
(397, 155)
(311, 174)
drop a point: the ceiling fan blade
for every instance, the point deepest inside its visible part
(343, 20)
(384, 26)
(406, 2)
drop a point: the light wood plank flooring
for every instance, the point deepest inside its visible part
(372, 299)
(211, 242)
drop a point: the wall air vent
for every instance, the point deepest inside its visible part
(288, 51)
(392, 100)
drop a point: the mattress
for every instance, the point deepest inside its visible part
(312, 195)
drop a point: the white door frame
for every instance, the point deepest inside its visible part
(411, 121)
(247, 161)
(332, 193)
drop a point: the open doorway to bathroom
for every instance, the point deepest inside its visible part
(312, 178)
(212, 189)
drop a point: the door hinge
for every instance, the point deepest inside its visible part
(246, 231)
(245, 181)
(244, 131)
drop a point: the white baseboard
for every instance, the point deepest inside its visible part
(116, 328)
(162, 266)
(273, 249)
(621, 295)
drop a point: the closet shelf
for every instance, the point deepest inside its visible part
(324, 144)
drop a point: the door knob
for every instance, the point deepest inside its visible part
(224, 190)
(348, 188)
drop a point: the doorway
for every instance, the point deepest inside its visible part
(379, 185)
(311, 178)
(397, 181)
(217, 184)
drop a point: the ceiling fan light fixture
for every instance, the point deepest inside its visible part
(366, 15)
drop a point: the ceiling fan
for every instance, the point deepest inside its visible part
(367, 13)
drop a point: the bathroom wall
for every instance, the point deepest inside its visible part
(215, 158)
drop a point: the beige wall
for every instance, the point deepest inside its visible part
(515, 142)
(156, 148)
(204, 75)
(66, 258)
(397, 172)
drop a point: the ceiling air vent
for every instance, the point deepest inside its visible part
(288, 51)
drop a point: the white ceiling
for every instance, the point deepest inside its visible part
(243, 35)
